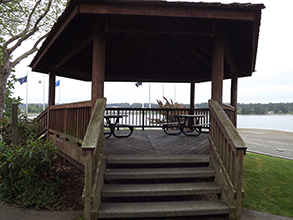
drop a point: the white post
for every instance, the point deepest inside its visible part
(174, 92)
(150, 105)
(43, 93)
(26, 106)
(142, 105)
(59, 91)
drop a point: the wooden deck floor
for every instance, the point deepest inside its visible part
(157, 142)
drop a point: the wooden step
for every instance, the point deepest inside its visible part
(157, 159)
(166, 189)
(162, 209)
(159, 173)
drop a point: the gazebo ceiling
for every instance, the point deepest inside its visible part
(151, 41)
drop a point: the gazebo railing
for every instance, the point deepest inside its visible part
(43, 122)
(153, 117)
(71, 120)
(227, 150)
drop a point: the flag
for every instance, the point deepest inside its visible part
(138, 84)
(57, 83)
(22, 80)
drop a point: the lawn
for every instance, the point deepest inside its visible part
(268, 184)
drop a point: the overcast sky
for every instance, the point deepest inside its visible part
(272, 81)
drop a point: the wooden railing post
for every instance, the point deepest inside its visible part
(93, 150)
(238, 183)
(88, 182)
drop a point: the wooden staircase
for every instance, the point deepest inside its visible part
(154, 186)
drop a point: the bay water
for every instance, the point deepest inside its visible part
(270, 122)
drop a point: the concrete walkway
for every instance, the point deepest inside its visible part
(268, 142)
(13, 213)
(273, 143)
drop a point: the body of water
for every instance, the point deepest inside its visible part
(271, 122)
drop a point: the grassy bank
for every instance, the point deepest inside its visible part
(267, 182)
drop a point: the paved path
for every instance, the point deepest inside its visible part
(13, 213)
(268, 142)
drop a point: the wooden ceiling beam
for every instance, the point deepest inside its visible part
(229, 57)
(196, 44)
(150, 25)
(176, 54)
(191, 52)
(157, 76)
(170, 10)
(74, 73)
(117, 44)
(72, 50)
(255, 39)
(185, 52)
(57, 30)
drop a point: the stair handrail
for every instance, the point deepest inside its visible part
(93, 150)
(42, 118)
(227, 149)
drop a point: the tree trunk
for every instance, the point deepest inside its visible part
(4, 73)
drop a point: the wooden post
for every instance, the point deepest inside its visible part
(98, 68)
(192, 90)
(233, 102)
(192, 93)
(51, 99)
(88, 181)
(52, 82)
(14, 123)
(218, 63)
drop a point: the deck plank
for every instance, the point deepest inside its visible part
(157, 142)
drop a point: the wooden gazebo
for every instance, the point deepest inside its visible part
(153, 41)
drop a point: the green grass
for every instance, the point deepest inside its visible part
(268, 184)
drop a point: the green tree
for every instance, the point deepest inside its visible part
(246, 110)
(22, 21)
(8, 97)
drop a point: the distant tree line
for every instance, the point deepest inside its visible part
(262, 109)
(245, 109)
(33, 107)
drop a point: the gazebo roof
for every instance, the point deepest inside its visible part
(153, 41)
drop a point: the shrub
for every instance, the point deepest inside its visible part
(27, 130)
(26, 174)
(168, 116)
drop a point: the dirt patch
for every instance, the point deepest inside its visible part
(71, 188)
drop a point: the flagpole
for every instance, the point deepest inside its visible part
(174, 92)
(142, 105)
(150, 105)
(43, 93)
(59, 91)
(26, 106)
